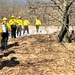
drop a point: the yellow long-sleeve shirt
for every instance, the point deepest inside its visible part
(19, 22)
(1, 30)
(12, 22)
(26, 22)
(38, 22)
(8, 27)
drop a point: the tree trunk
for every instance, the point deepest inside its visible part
(62, 33)
(65, 29)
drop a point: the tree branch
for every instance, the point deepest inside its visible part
(71, 3)
(68, 6)
(54, 18)
(57, 5)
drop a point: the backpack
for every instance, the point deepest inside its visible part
(4, 29)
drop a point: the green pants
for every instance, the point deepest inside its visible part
(13, 31)
(37, 28)
(4, 41)
(26, 29)
(18, 30)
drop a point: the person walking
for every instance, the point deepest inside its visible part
(37, 23)
(19, 25)
(13, 24)
(26, 28)
(5, 28)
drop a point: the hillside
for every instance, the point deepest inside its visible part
(38, 55)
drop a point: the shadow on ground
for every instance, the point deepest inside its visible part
(8, 53)
(9, 63)
(13, 44)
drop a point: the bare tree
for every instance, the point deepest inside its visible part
(65, 9)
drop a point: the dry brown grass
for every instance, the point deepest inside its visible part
(39, 55)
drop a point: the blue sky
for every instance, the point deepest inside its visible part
(25, 1)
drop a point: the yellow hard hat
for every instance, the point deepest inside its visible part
(12, 16)
(4, 18)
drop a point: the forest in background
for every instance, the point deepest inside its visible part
(45, 9)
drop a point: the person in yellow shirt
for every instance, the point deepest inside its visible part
(38, 23)
(5, 29)
(13, 24)
(19, 25)
(26, 28)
